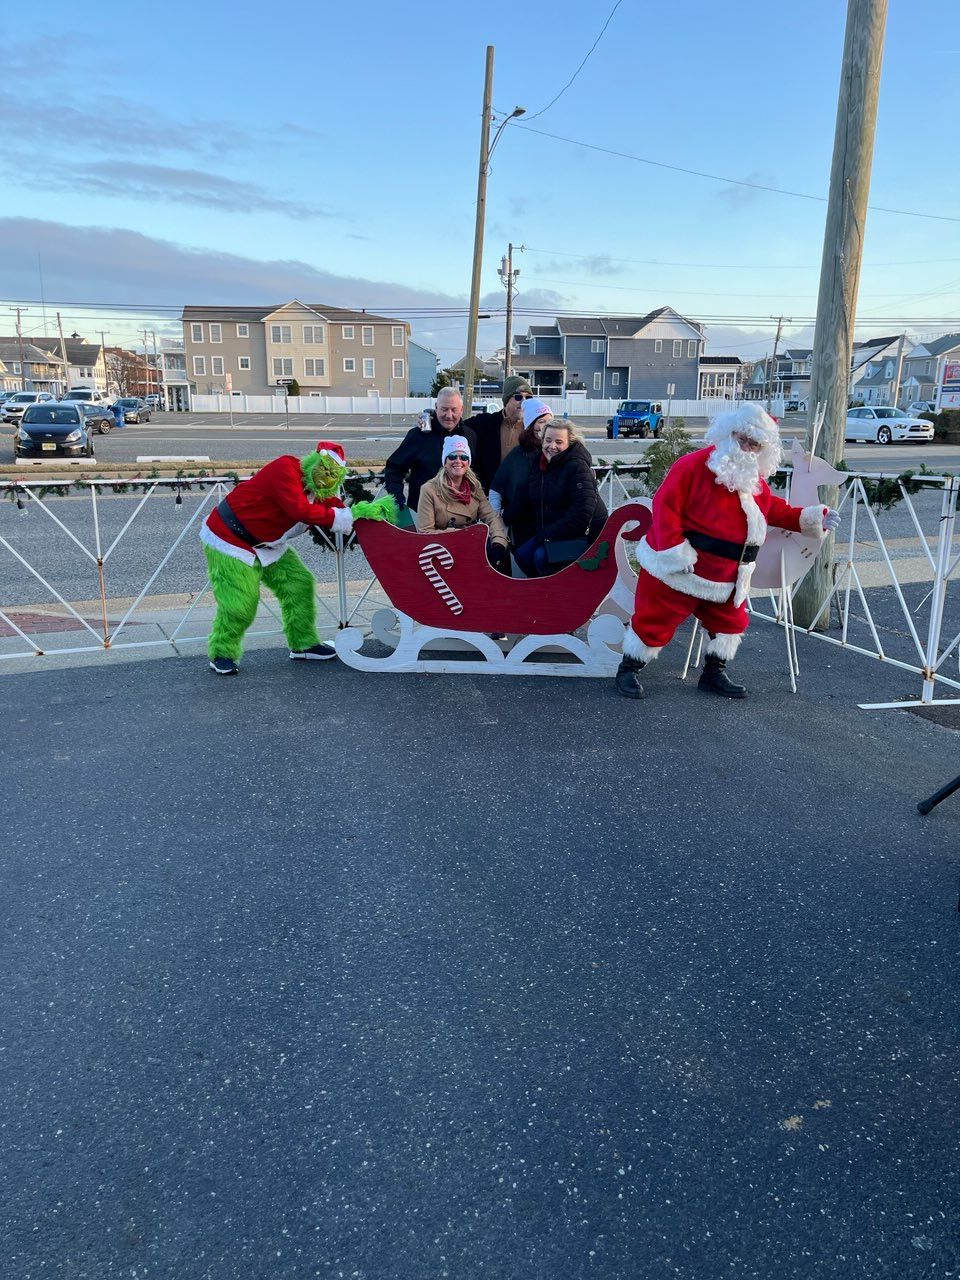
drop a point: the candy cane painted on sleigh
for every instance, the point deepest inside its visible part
(444, 591)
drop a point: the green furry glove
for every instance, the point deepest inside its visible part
(384, 508)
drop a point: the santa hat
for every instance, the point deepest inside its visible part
(746, 420)
(333, 450)
(534, 409)
(456, 444)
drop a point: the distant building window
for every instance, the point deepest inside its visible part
(196, 333)
(349, 364)
(658, 345)
(369, 368)
(615, 379)
(315, 368)
(677, 348)
(281, 333)
(16, 367)
(199, 366)
(398, 368)
(366, 335)
(282, 367)
(216, 333)
(397, 333)
(596, 344)
(692, 348)
(347, 331)
(314, 334)
(243, 331)
(243, 363)
(216, 365)
(598, 382)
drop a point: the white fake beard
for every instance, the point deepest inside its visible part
(740, 471)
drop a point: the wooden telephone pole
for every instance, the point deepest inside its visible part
(842, 255)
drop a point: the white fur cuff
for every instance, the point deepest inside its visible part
(723, 645)
(342, 520)
(672, 560)
(811, 521)
(633, 647)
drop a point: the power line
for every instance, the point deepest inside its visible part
(716, 177)
(581, 66)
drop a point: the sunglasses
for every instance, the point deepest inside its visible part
(522, 395)
(458, 457)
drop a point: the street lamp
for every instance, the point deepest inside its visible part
(486, 151)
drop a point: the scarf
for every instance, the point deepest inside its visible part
(463, 494)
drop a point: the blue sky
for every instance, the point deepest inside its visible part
(199, 153)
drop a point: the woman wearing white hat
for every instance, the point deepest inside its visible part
(454, 499)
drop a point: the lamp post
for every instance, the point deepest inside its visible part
(486, 151)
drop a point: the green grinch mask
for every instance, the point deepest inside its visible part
(322, 474)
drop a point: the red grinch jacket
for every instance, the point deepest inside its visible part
(274, 507)
(691, 502)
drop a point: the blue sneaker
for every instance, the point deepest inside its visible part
(317, 653)
(224, 666)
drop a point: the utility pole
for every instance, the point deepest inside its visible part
(63, 354)
(840, 265)
(508, 276)
(771, 378)
(896, 385)
(146, 365)
(472, 319)
(106, 367)
(23, 376)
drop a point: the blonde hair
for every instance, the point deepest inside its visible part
(564, 423)
(446, 489)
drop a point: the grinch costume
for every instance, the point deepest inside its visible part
(710, 518)
(246, 542)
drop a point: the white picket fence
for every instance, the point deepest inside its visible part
(403, 406)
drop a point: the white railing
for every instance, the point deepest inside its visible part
(74, 572)
(574, 407)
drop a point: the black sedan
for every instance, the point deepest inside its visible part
(52, 431)
(97, 417)
(134, 410)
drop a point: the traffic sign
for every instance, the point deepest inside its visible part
(284, 382)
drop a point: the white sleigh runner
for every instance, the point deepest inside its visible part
(447, 599)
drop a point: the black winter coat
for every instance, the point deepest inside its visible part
(486, 455)
(418, 458)
(564, 500)
(511, 481)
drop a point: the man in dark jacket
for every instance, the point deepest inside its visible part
(419, 455)
(498, 433)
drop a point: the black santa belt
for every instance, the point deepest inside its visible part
(235, 525)
(740, 552)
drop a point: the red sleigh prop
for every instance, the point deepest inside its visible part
(444, 580)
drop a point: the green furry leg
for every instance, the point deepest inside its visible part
(293, 584)
(236, 589)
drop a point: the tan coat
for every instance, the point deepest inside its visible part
(436, 513)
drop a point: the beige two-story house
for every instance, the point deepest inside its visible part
(327, 350)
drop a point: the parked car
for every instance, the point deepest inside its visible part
(922, 406)
(884, 424)
(636, 418)
(87, 395)
(485, 406)
(96, 416)
(795, 406)
(134, 410)
(52, 430)
(153, 403)
(20, 400)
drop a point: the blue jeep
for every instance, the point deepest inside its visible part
(636, 418)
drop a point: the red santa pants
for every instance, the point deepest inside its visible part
(659, 610)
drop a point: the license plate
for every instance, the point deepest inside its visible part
(51, 447)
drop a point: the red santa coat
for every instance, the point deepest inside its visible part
(274, 507)
(691, 500)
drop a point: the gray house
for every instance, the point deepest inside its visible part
(923, 367)
(634, 356)
(423, 364)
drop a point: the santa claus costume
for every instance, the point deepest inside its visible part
(246, 542)
(710, 518)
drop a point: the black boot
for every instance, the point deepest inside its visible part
(716, 680)
(628, 683)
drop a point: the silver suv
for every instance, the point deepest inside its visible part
(14, 407)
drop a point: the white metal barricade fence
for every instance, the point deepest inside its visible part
(891, 594)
